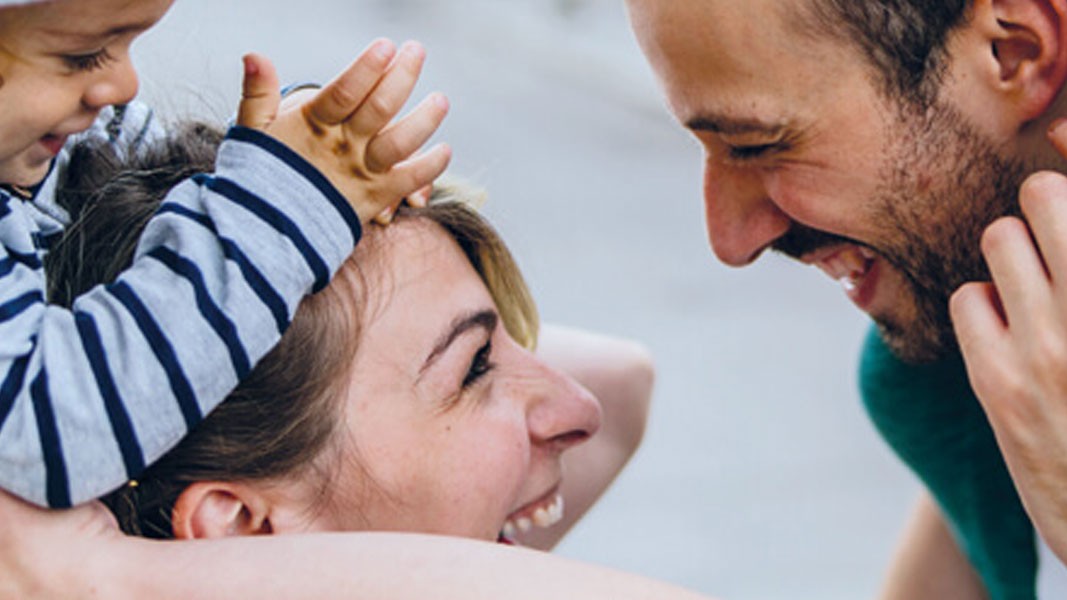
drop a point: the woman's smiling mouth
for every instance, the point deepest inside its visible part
(542, 513)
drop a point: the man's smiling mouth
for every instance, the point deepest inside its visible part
(855, 267)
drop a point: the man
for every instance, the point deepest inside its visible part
(877, 140)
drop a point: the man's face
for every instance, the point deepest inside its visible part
(805, 154)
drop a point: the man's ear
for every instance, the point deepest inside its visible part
(213, 509)
(1028, 43)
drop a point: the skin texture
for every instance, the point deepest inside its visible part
(620, 373)
(806, 154)
(929, 564)
(80, 553)
(347, 129)
(87, 558)
(438, 438)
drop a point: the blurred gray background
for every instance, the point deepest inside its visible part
(760, 477)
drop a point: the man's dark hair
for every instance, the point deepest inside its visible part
(904, 40)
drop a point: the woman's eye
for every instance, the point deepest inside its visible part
(480, 365)
(88, 62)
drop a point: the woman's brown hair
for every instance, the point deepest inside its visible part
(280, 421)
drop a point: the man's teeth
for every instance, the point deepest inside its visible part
(543, 516)
(849, 266)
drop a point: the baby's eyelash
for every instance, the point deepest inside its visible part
(480, 365)
(88, 62)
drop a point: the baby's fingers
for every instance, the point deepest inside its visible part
(421, 196)
(342, 96)
(392, 92)
(260, 95)
(403, 138)
(412, 175)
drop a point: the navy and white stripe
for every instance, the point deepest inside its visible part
(90, 396)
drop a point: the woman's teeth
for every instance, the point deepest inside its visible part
(544, 516)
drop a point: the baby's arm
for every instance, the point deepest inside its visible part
(91, 395)
(80, 554)
(620, 374)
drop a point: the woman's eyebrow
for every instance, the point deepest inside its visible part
(486, 319)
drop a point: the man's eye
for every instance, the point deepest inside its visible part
(88, 62)
(480, 365)
(742, 153)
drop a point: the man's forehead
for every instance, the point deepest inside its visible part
(758, 14)
(734, 67)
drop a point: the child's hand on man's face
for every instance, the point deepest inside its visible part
(346, 129)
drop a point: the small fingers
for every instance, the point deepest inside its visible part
(403, 180)
(385, 217)
(342, 96)
(411, 176)
(260, 94)
(403, 138)
(392, 92)
(420, 197)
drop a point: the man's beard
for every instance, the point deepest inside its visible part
(941, 184)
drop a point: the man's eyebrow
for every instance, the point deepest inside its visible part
(485, 319)
(733, 125)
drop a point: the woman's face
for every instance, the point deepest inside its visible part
(452, 426)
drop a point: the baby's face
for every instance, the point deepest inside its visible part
(62, 62)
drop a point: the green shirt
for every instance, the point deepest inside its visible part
(933, 421)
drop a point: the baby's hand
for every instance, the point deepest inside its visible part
(346, 129)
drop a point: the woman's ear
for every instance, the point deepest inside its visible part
(213, 509)
(1028, 43)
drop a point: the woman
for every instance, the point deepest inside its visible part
(403, 397)
(79, 553)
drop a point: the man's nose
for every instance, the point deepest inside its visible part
(561, 413)
(741, 218)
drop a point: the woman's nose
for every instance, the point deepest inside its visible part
(561, 413)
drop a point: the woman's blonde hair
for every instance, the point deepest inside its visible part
(280, 421)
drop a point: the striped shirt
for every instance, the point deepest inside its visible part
(90, 396)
